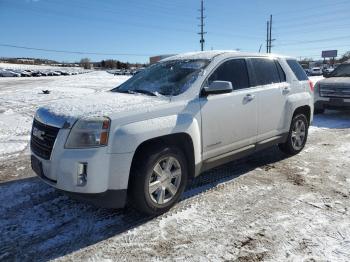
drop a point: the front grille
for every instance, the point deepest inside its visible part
(330, 91)
(42, 139)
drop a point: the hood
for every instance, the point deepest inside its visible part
(66, 112)
(338, 81)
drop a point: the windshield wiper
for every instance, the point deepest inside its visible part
(136, 91)
(142, 91)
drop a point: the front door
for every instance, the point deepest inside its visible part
(229, 121)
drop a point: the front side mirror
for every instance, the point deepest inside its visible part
(218, 87)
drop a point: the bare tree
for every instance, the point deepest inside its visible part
(85, 63)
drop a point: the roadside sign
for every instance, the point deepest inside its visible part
(329, 53)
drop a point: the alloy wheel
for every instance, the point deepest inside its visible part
(165, 180)
(298, 134)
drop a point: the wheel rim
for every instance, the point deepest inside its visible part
(165, 180)
(298, 135)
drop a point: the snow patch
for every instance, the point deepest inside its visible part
(104, 104)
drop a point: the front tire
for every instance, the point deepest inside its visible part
(158, 179)
(297, 136)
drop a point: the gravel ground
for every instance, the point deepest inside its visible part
(266, 207)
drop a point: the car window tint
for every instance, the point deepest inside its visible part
(281, 72)
(265, 71)
(297, 69)
(234, 71)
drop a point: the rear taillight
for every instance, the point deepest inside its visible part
(311, 86)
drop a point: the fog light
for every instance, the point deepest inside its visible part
(82, 174)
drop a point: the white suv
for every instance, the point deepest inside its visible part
(144, 140)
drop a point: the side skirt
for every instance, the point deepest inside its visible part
(242, 152)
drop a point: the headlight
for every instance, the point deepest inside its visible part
(89, 132)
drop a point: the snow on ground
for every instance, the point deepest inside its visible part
(20, 97)
(266, 207)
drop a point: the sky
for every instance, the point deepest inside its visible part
(134, 30)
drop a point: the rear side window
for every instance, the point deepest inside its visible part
(297, 69)
(266, 71)
(234, 71)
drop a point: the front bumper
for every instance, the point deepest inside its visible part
(107, 175)
(108, 199)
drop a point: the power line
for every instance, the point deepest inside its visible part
(73, 52)
(315, 41)
(314, 23)
(308, 9)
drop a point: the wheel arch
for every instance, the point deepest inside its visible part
(181, 140)
(306, 110)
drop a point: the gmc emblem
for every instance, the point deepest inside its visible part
(38, 133)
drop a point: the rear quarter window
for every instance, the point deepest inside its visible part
(297, 69)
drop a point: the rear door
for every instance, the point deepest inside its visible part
(229, 121)
(273, 91)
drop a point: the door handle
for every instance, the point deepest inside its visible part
(249, 97)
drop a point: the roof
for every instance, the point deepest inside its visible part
(214, 53)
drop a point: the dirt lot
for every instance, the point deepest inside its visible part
(263, 208)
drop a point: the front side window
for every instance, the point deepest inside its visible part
(234, 71)
(265, 71)
(170, 78)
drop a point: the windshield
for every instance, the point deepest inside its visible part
(341, 71)
(169, 78)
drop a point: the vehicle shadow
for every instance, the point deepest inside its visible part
(39, 223)
(332, 119)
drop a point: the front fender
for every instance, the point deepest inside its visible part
(126, 138)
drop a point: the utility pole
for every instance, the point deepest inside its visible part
(267, 37)
(270, 45)
(202, 33)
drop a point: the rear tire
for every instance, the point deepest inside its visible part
(158, 179)
(297, 136)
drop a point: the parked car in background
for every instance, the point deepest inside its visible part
(24, 73)
(117, 72)
(9, 73)
(327, 71)
(44, 73)
(316, 71)
(54, 73)
(334, 91)
(147, 138)
(36, 73)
